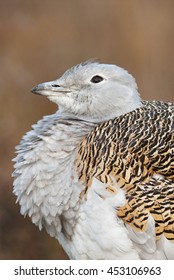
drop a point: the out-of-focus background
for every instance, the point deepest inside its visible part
(39, 41)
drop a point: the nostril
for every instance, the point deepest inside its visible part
(55, 85)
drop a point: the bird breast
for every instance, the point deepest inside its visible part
(44, 175)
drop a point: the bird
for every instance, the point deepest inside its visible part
(98, 174)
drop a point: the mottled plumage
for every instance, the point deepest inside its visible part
(99, 173)
(133, 149)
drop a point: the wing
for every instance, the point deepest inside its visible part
(137, 150)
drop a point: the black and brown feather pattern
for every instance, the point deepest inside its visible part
(133, 148)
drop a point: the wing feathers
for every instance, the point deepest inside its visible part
(137, 150)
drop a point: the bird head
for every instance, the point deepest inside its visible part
(93, 91)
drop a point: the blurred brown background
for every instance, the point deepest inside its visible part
(39, 41)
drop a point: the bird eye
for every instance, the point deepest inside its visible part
(96, 79)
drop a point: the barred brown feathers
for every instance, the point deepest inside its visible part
(134, 148)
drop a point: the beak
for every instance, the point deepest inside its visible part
(42, 89)
(49, 88)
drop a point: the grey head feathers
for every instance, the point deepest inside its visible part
(93, 91)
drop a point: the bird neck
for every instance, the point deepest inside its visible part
(104, 111)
